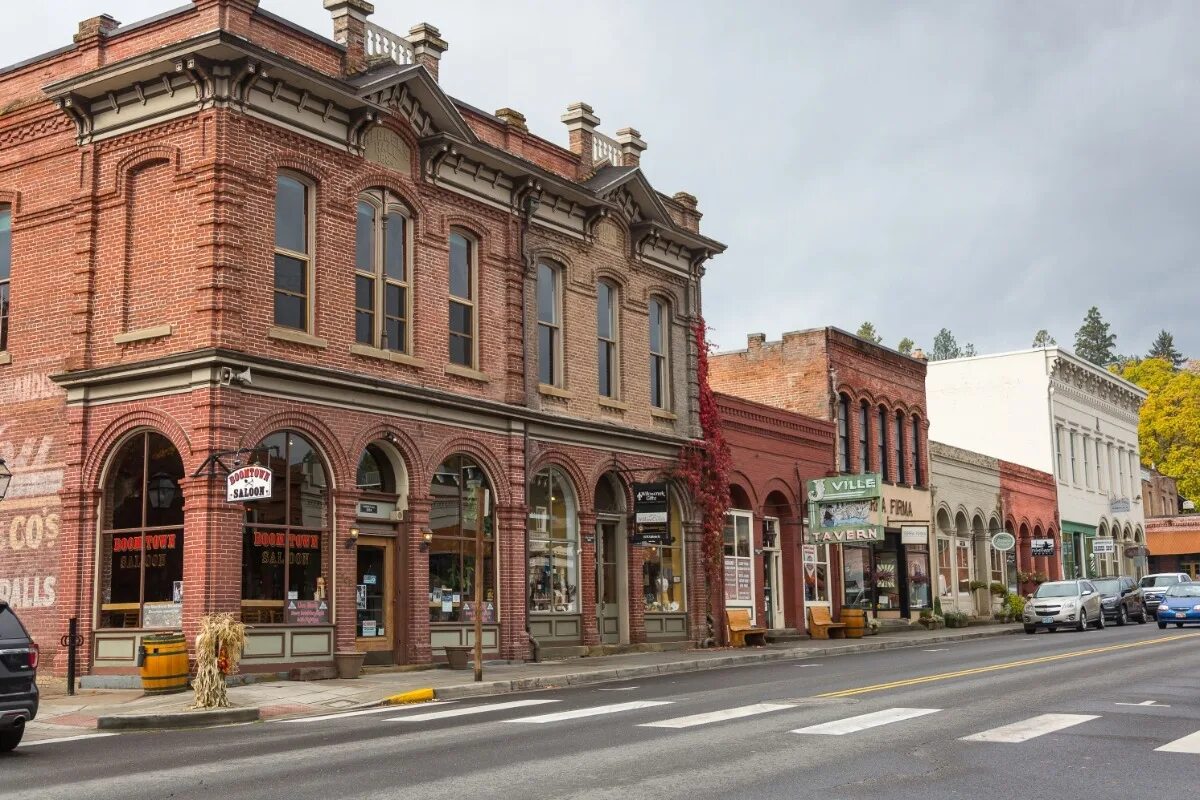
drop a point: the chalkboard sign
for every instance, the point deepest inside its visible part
(162, 615)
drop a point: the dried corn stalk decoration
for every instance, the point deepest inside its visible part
(218, 651)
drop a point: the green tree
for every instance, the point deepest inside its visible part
(945, 346)
(906, 346)
(1164, 348)
(1094, 342)
(867, 331)
(969, 350)
(1169, 427)
(1043, 339)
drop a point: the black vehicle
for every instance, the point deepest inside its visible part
(1121, 599)
(18, 684)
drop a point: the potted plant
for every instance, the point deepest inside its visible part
(956, 619)
(349, 663)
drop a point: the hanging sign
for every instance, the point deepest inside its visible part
(914, 534)
(1041, 547)
(1003, 541)
(248, 483)
(650, 514)
(1104, 545)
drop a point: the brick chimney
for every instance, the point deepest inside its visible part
(513, 119)
(919, 355)
(350, 30)
(632, 147)
(691, 216)
(89, 39)
(755, 341)
(428, 46)
(581, 125)
(229, 15)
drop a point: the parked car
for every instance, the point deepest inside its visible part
(1180, 605)
(1155, 586)
(18, 678)
(1061, 603)
(1121, 599)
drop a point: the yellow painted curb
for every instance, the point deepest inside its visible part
(415, 696)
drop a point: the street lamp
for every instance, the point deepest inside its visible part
(5, 478)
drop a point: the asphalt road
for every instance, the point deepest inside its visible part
(1066, 715)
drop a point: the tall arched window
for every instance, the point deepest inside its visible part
(549, 316)
(864, 437)
(660, 354)
(607, 355)
(462, 300)
(382, 300)
(881, 457)
(918, 472)
(553, 579)
(285, 549)
(901, 471)
(462, 509)
(293, 252)
(663, 576)
(141, 539)
(5, 272)
(843, 441)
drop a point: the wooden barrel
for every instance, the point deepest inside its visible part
(856, 622)
(165, 665)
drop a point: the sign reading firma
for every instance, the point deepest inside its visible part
(845, 509)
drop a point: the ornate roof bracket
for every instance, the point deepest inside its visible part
(244, 81)
(645, 235)
(356, 134)
(432, 156)
(527, 196)
(199, 72)
(592, 221)
(78, 109)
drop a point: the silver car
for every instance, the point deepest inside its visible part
(1062, 604)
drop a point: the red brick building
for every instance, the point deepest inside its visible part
(1029, 501)
(875, 399)
(774, 453)
(228, 241)
(1172, 538)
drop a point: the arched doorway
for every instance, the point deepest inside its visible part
(612, 560)
(777, 562)
(380, 601)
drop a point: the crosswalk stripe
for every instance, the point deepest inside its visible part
(1030, 728)
(616, 708)
(465, 710)
(840, 727)
(1188, 744)
(717, 716)
(361, 712)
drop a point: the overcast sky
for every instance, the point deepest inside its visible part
(993, 168)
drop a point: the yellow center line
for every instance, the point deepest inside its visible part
(996, 667)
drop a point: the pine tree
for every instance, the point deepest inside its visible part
(1093, 341)
(945, 346)
(1164, 348)
(906, 346)
(1043, 339)
(867, 331)
(969, 350)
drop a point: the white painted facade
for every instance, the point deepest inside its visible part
(1047, 409)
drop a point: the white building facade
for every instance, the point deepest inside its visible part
(1050, 410)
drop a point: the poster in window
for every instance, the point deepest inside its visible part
(360, 598)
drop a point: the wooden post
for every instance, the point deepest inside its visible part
(481, 509)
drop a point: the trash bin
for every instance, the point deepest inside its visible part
(164, 663)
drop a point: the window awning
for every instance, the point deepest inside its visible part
(1173, 543)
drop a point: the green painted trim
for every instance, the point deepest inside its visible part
(1078, 528)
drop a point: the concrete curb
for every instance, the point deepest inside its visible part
(181, 719)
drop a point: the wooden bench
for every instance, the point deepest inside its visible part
(822, 626)
(740, 629)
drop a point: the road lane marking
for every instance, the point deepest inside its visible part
(579, 713)
(465, 710)
(1145, 704)
(1030, 728)
(362, 712)
(936, 649)
(1188, 744)
(619, 689)
(995, 667)
(65, 739)
(841, 727)
(717, 716)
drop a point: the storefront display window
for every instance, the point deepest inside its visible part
(663, 585)
(461, 510)
(739, 569)
(816, 573)
(141, 543)
(962, 550)
(370, 600)
(918, 576)
(553, 545)
(945, 569)
(856, 561)
(285, 548)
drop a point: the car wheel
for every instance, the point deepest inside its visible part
(1100, 621)
(1122, 617)
(9, 739)
(1162, 626)
(1143, 618)
(1178, 624)
(1031, 629)
(1082, 625)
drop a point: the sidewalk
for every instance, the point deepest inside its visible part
(63, 716)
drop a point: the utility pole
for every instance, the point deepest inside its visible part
(481, 510)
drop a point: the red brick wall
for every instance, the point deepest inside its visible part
(1030, 502)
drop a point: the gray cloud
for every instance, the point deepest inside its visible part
(993, 167)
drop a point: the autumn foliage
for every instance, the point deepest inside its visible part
(1169, 428)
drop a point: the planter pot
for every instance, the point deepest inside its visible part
(349, 664)
(459, 656)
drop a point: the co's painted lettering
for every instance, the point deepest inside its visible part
(31, 531)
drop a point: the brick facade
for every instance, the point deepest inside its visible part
(1029, 499)
(142, 282)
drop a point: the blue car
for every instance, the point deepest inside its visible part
(1180, 605)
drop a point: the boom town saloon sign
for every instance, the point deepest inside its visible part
(248, 483)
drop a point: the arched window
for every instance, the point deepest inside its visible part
(881, 457)
(293, 252)
(285, 550)
(462, 300)
(843, 441)
(549, 316)
(5, 272)
(901, 471)
(918, 472)
(607, 353)
(864, 437)
(660, 354)
(553, 579)
(663, 577)
(462, 510)
(375, 473)
(141, 539)
(382, 252)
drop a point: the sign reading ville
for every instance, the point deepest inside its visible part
(846, 487)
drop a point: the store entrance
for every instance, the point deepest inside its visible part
(611, 583)
(376, 633)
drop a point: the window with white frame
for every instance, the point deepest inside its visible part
(382, 299)
(816, 573)
(738, 564)
(1087, 467)
(462, 299)
(549, 316)
(945, 569)
(1100, 484)
(843, 440)
(1073, 443)
(660, 353)
(1059, 433)
(293, 252)
(607, 354)
(1124, 484)
(962, 549)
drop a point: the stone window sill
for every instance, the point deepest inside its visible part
(659, 413)
(554, 391)
(614, 405)
(144, 334)
(366, 351)
(460, 371)
(296, 337)
(5, 358)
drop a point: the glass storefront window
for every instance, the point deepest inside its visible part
(945, 570)
(855, 563)
(816, 573)
(285, 547)
(141, 540)
(553, 545)
(962, 550)
(739, 569)
(918, 576)
(663, 583)
(460, 492)
(370, 600)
